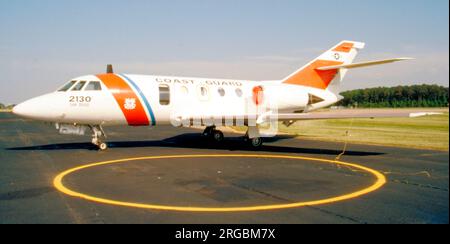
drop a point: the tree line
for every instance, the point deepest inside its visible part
(3, 106)
(397, 97)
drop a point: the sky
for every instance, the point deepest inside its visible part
(44, 43)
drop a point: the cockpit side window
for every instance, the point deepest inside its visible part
(67, 86)
(79, 86)
(93, 86)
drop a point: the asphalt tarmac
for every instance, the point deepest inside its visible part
(32, 154)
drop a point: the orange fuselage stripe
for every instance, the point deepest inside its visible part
(134, 113)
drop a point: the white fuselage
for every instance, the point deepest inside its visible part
(140, 100)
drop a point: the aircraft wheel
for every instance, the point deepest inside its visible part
(256, 142)
(102, 146)
(208, 131)
(217, 135)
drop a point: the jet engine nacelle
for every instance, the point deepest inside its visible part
(286, 98)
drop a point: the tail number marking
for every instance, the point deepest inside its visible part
(80, 99)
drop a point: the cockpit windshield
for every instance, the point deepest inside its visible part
(67, 86)
(79, 86)
(93, 86)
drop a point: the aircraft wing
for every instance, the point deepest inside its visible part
(349, 114)
(289, 118)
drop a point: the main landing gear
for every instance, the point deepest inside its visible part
(255, 142)
(98, 137)
(217, 136)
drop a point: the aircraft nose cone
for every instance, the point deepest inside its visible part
(22, 109)
(15, 110)
(39, 108)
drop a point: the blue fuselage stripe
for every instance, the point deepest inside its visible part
(147, 104)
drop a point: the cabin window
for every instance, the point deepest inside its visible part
(93, 86)
(203, 93)
(67, 86)
(221, 92)
(79, 86)
(184, 90)
(164, 95)
(239, 92)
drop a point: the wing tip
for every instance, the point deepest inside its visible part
(422, 114)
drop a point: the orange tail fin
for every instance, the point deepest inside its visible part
(343, 53)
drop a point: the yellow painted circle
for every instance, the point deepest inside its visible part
(380, 181)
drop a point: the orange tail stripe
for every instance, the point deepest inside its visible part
(126, 98)
(345, 47)
(311, 77)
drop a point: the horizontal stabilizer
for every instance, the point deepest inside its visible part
(364, 64)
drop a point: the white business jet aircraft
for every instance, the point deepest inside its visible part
(88, 103)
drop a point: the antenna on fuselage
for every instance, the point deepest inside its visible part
(109, 69)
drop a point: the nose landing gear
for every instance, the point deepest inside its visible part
(102, 146)
(98, 137)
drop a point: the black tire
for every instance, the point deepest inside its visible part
(217, 136)
(256, 142)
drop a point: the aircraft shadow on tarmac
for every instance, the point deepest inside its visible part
(196, 141)
(27, 193)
